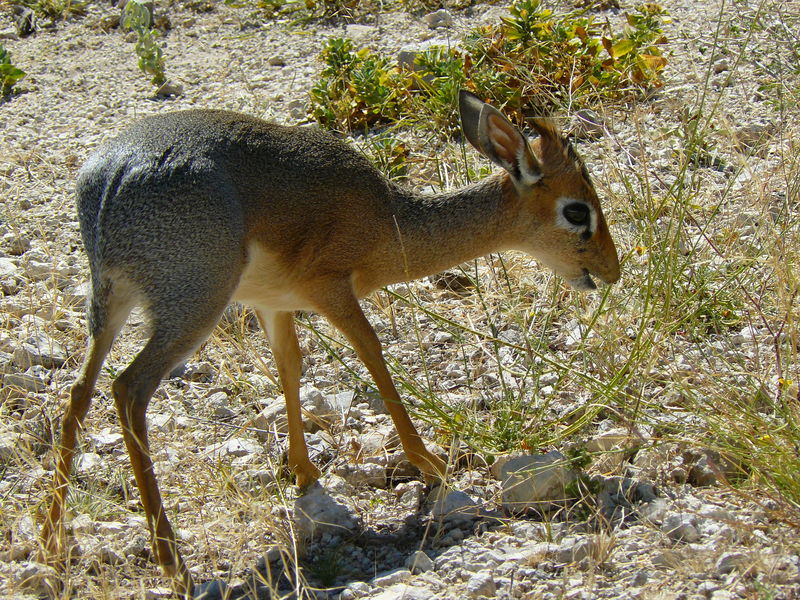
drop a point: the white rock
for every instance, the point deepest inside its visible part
(481, 585)
(83, 524)
(419, 562)
(731, 561)
(681, 527)
(220, 405)
(8, 268)
(392, 577)
(363, 474)
(25, 381)
(403, 591)
(233, 447)
(17, 243)
(534, 482)
(271, 419)
(89, 462)
(40, 349)
(575, 548)
(317, 513)
(452, 506)
(360, 33)
(37, 578)
(107, 440)
(439, 18)
(9, 443)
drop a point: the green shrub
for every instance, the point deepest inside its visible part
(533, 61)
(9, 74)
(54, 9)
(357, 89)
(151, 60)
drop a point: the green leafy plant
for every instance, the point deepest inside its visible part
(268, 8)
(532, 61)
(438, 74)
(389, 154)
(358, 88)
(535, 58)
(55, 9)
(151, 60)
(9, 74)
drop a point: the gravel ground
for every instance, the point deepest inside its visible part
(661, 525)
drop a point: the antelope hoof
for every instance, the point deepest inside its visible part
(432, 467)
(306, 474)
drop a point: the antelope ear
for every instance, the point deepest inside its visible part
(497, 139)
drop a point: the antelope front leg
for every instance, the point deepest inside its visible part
(347, 316)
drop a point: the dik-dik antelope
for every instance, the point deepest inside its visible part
(186, 212)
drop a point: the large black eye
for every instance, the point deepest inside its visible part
(577, 213)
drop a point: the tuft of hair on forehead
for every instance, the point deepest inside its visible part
(557, 152)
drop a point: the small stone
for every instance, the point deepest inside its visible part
(363, 474)
(211, 590)
(360, 33)
(573, 549)
(639, 578)
(681, 527)
(169, 88)
(272, 419)
(16, 243)
(402, 591)
(588, 125)
(234, 447)
(8, 267)
(317, 513)
(37, 578)
(453, 280)
(409, 495)
(9, 443)
(753, 135)
(481, 585)
(25, 381)
(88, 463)
(534, 482)
(107, 440)
(708, 467)
(731, 561)
(721, 65)
(83, 524)
(221, 405)
(419, 562)
(359, 588)
(439, 18)
(392, 577)
(453, 506)
(40, 349)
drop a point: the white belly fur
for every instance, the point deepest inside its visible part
(266, 285)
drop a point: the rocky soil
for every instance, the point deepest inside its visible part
(645, 520)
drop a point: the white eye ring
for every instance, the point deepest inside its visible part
(562, 221)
